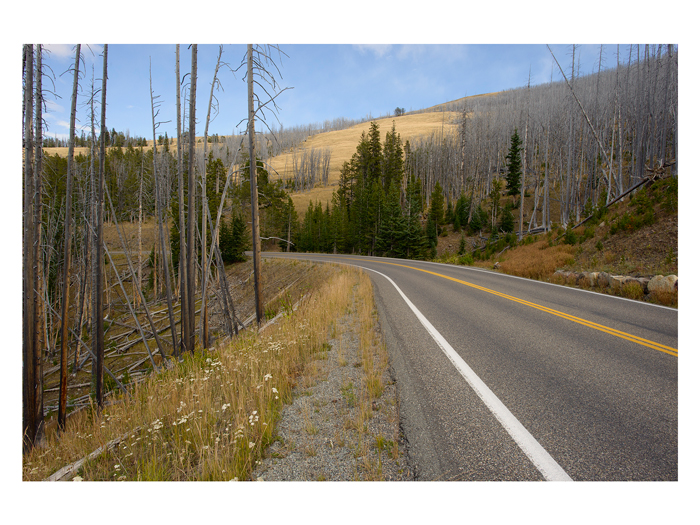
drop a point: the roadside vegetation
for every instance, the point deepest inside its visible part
(636, 237)
(211, 415)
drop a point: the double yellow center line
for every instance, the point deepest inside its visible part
(612, 331)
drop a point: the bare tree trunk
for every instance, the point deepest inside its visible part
(63, 392)
(182, 270)
(91, 253)
(204, 312)
(139, 270)
(161, 235)
(98, 345)
(191, 209)
(522, 183)
(33, 385)
(38, 303)
(257, 263)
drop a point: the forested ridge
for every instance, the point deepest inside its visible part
(530, 159)
(570, 146)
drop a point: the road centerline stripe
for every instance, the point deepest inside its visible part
(606, 329)
(540, 458)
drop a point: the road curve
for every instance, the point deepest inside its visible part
(503, 378)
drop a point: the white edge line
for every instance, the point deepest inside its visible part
(540, 458)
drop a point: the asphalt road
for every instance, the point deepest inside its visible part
(502, 378)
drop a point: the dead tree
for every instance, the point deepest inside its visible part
(159, 221)
(38, 303)
(255, 216)
(204, 315)
(191, 210)
(256, 58)
(33, 416)
(98, 343)
(182, 270)
(63, 392)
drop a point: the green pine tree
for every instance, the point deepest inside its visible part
(393, 229)
(392, 161)
(507, 222)
(479, 219)
(234, 239)
(514, 165)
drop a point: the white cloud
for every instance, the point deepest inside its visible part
(91, 52)
(447, 53)
(61, 50)
(411, 51)
(53, 107)
(379, 50)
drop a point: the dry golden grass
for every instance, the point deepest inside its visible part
(343, 145)
(537, 260)
(440, 107)
(210, 416)
(63, 152)
(129, 230)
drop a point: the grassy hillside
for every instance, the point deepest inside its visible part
(343, 145)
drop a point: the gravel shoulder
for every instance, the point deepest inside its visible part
(334, 430)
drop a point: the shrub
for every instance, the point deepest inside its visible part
(569, 237)
(633, 290)
(507, 223)
(588, 233)
(466, 259)
(536, 260)
(670, 194)
(462, 246)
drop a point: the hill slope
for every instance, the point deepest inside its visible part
(343, 145)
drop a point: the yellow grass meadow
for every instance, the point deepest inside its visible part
(208, 417)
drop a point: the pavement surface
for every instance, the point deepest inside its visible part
(503, 378)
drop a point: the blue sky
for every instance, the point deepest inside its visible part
(327, 80)
(349, 60)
